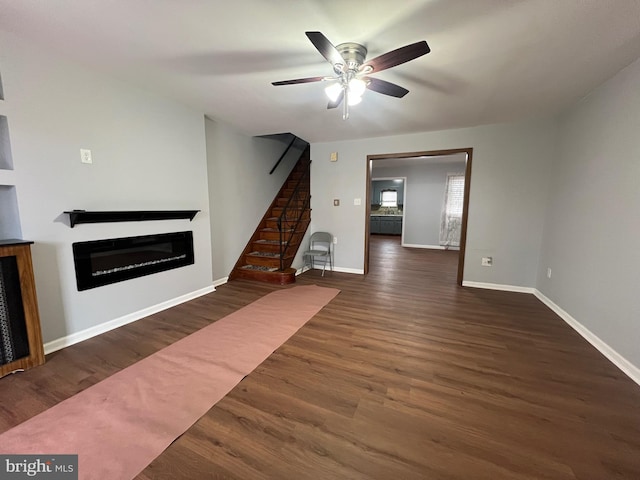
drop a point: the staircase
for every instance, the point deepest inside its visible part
(275, 242)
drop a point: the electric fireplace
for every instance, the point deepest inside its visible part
(102, 262)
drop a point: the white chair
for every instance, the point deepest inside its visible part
(320, 245)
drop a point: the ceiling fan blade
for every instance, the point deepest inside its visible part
(298, 80)
(325, 47)
(398, 56)
(386, 88)
(337, 102)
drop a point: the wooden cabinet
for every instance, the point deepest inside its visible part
(20, 336)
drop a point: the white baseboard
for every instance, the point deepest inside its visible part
(430, 247)
(357, 271)
(614, 357)
(497, 286)
(220, 281)
(77, 337)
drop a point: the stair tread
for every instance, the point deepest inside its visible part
(271, 242)
(260, 268)
(269, 229)
(265, 254)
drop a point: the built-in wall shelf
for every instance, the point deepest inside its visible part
(84, 216)
(6, 160)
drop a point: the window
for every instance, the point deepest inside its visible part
(450, 226)
(389, 198)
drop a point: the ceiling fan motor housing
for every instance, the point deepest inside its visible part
(353, 54)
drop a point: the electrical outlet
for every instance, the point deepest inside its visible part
(548, 272)
(357, 201)
(335, 240)
(336, 202)
(85, 156)
(334, 156)
(487, 261)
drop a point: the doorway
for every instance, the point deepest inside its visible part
(465, 153)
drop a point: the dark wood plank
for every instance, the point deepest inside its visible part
(403, 375)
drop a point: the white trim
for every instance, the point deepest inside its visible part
(614, 357)
(432, 247)
(358, 271)
(497, 286)
(220, 281)
(304, 268)
(77, 337)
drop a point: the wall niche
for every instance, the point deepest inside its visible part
(9, 215)
(6, 160)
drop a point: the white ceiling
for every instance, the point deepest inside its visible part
(491, 60)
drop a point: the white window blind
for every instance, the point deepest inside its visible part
(450, 226)
(389, 198)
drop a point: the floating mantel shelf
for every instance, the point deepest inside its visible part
(84, 216)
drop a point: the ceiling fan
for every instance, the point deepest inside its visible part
(351, 70)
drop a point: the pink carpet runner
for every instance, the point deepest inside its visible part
(120, 425)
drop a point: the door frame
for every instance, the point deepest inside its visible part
(465, 203)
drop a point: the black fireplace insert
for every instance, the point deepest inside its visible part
(103, 262)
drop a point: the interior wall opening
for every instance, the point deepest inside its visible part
(433, 187)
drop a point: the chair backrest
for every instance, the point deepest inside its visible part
(320, 241)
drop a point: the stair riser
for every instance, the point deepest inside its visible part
(261, 261)
(282, 202)
(292, 216)
(286, 224)
(263, 247)
(269, 236)
(288, 192)
(279, 278)
(266, 261)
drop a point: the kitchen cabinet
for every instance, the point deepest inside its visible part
(385, 224)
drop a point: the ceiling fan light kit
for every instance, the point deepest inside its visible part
(351, 72)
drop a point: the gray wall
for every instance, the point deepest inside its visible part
(148, 153)
(240, 188)
(509, 186)
(426, 183)
(592, 228)
(575, 180)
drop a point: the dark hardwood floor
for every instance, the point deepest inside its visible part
(404, 375)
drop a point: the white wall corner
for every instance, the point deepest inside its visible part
(88, 333)
(614, 357)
